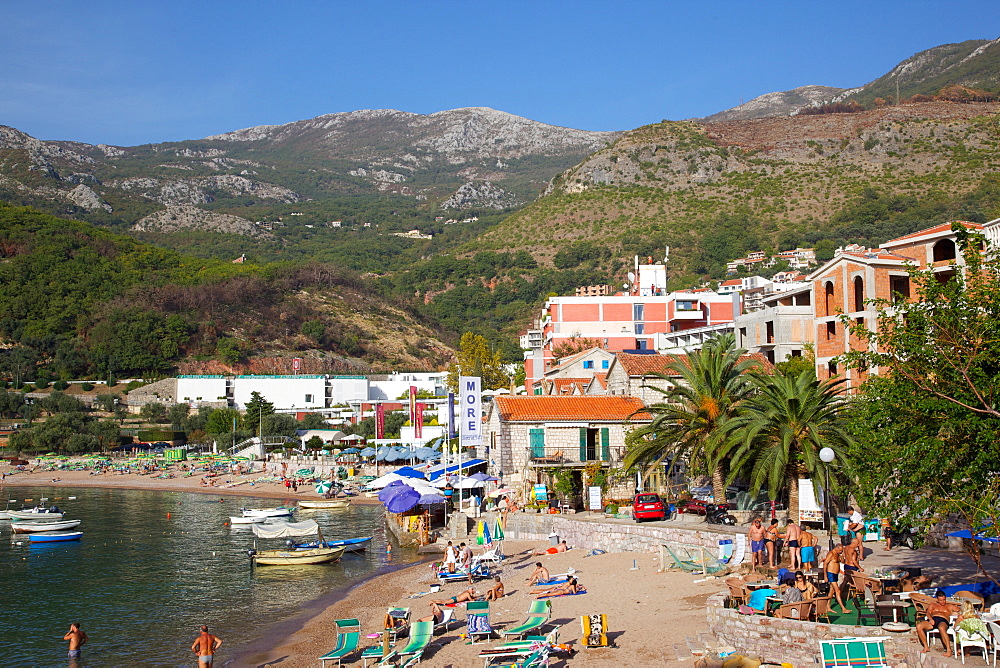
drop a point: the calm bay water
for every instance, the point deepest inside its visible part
(141, 583)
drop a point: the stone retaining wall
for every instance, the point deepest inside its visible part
(612, 535)
(792, 641)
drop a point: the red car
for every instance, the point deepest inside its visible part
(648, 506)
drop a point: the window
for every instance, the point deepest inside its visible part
(638, 311)
(828, 297)
(859, 294)
(831, 329)
(588, 364)
(309, 398)
(743, 334)
(769, 354)
(770, 331)
(796, 353)
(641, 344)
(640, 328)
(831, 367)
(687, 305)
(605, 364)
(900, 288)
(944, 250)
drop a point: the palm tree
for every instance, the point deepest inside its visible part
(705, 390)
(783, 428)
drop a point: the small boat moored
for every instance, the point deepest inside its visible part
(281, 511)
(247, 520)
(326, 503)
(55, 537)
(36, 513)
(291, 557)
(349, 544)
(41, 527)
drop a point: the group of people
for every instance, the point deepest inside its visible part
(453, 556)
(765, 547)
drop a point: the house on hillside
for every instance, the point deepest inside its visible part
(536, 436)
(642, 376)
(570, 374)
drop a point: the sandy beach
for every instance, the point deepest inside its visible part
(650, 614)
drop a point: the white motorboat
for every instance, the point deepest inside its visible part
(39, 527)
(326, 503)
(280, 511)
(247, 520)
(36, 513)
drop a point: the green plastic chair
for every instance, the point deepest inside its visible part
(538, 616)
(421, 634)
(481, 609)
(348, 637)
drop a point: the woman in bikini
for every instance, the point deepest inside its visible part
(807, 588)
(770, 542)
(565, 589)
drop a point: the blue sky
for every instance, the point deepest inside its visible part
(133, 72)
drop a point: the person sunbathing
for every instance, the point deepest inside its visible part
(564, 589)
(463, 597)
(437, 614)
(540, 574)
(496, 592)
(561, 547)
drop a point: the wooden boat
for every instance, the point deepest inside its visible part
(287, 556)
(55, 537)
(326, 503)
(349, 544)
(36, 513)
(268, 512)
(39, 527)
(319, 555)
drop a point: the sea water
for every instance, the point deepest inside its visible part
(154, 566)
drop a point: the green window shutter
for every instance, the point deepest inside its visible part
(537, 442)
(605, 444)
(583, 444)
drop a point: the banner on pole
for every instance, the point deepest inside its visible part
(452, 432)
(380, 421)
(470, 420)
(418, 423)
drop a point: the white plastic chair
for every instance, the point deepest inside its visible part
(951, 634)
(963, 640)
(995, 634)
(995, 609)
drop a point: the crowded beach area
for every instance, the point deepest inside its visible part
(659, 593)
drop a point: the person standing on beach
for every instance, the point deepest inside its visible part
(792, 533)
(450, 557)
(756, 536)
(831, 565)
(467, 559)
(205, 646)
(77, 639)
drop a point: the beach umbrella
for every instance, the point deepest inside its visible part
(391, 489)
(431, 499)
(500, 492)
(486, 534)
(967, 535)
(367, 452)
(409, 472)
(498, 531)
(405, 499)
(482, 477)
(324, 487)
(351, 451)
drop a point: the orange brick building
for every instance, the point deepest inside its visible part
(848, 283)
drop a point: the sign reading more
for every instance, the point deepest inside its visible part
(470, 421)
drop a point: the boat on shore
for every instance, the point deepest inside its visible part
(292, 557)
(325, 503)
(55, 537)
(349, 544)
(40, 527)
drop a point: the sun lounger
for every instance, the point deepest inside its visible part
(398, 621)
(849, 652)
(538, 657)
(538, 616)
(477, 618)
(516, 649)
(447, 617)
(348, 635)
(595, 630)
(421, 634)
(692, 559)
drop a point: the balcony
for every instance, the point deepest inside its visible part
(546, 456)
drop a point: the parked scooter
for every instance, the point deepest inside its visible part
(719, 514)
(902, 537)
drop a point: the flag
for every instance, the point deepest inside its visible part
(380, 421)
(418, 422)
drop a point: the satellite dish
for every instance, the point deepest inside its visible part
(625, 286)
(631, 277)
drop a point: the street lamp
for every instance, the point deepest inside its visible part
(827, 455)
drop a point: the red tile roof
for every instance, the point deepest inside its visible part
(943, 227)
(568, 409)
(647, 365)
(602, 379)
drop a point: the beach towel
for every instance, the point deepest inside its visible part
(552, 581)
(479, 624)
(595, 630)
(545, 596)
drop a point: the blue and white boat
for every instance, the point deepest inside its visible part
(349, 544)
(268, 512)
(55, 537)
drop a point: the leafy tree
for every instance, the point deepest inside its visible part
(314, 443)
(925, 428)
(154, 412)
(573, 346)
(107, 401)
(280, 424)
(476, 359)
(706, 389)
(794, 366)
(177, 414)
(781, 430)
(221, 421)
(60, 402)
(421, 394)
(229, 350)
(314, 329)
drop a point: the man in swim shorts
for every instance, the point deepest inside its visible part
(792, 533)
(77, 639)
(831, 565)
(939, 612)
(463, 597)
(756, 535)
(204, 646)
(540, 574)
(561, 547)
